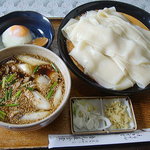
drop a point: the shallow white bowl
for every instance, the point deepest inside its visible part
(32, 49)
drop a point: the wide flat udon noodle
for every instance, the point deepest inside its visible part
(102, 72)
(107, 41)
(112, 40)
(140, 74)
(136, 72)
(124, 84)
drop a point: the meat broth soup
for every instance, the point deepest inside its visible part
(31, 88)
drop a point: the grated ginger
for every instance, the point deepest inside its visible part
(118, 115)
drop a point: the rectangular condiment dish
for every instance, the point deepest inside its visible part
(99, 105)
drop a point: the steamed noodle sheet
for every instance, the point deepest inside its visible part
(111, 50)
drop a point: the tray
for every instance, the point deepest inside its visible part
(39, 138)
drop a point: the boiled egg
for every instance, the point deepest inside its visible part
(16, 35)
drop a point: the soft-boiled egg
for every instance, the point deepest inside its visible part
(16, 35)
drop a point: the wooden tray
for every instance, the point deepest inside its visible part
(39, 138)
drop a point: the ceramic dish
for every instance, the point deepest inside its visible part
(131, 10)
(39, 25)
(36, 50)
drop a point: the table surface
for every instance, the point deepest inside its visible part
(39, 138)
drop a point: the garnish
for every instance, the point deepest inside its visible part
(30, 88)
(54, 67)
(35, 69)
(12, 82)
(6, 95)
(11, 105)
(51, 91)
(2, 99)
(10, 77)
(9, 80)
(18, 94)
(3, 82)
(8, 105)
(2, 114)
(10, 93)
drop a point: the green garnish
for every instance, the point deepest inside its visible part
(12, 82)
(3, 82)
(30, 88)
(10, 93)
(18, 94)
(53, 85)
(54, 67)
(51, 91)
(10, 77)
(35, 69)
(2, 114)
(9, 105)
(6, 95)
(0, 82)
(9, 80)
(2, 99)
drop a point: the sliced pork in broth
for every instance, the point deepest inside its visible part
(31, 88)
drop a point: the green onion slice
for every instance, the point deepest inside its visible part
(6, 95)
(11, 77)
(2, 114)
(12, 82)
(35, 69)
(3, 82)
(10, 93)
(51, 91)
(9, 105)
(2, 99)
(18, 94)
(30, 88)
(54, 67)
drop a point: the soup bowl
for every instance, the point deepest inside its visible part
(36, 50)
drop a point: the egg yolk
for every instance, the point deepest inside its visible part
(18, 31)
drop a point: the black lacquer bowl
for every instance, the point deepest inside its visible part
(131, 10)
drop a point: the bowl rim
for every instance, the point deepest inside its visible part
(50, 41)
(69, 62)
(59, 108)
